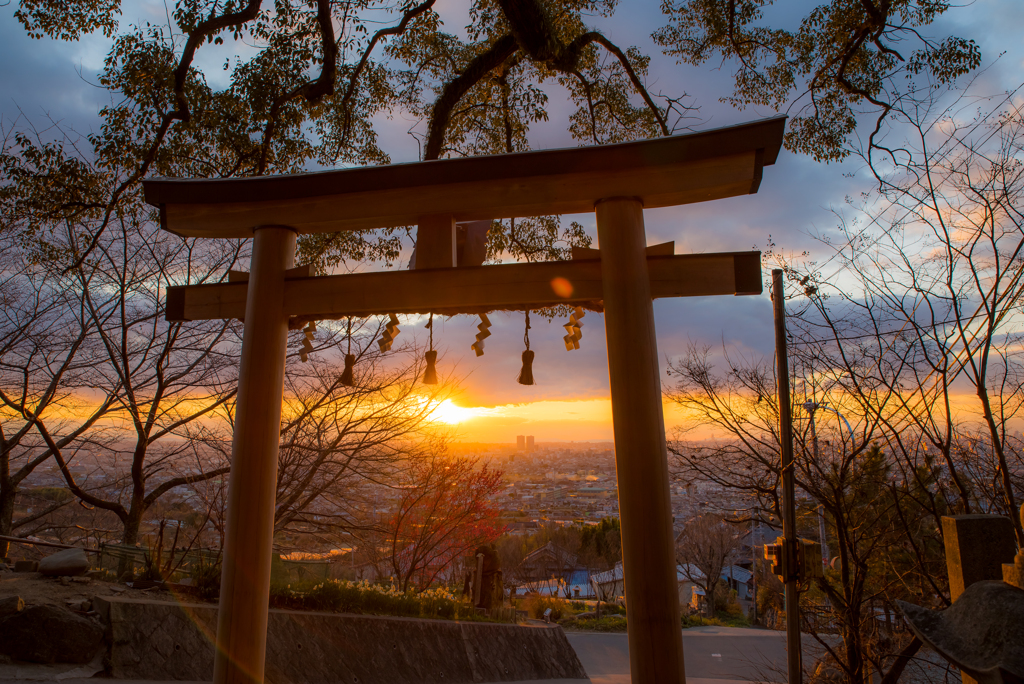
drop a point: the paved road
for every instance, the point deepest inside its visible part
(713, 655)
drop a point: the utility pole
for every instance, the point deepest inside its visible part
(754, 520)
(790, 542)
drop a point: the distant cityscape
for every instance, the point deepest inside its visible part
(566, 482)
(547, 482)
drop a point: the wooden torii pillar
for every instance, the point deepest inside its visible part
(615, 181)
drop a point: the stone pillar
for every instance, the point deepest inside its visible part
(1013, 573)
(252, 488)
(976, 548)
(641, 459)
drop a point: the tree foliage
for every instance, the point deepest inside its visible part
(705, 547)
(445, 509)
(927, 341)
(304, 88)
(844, 58)
(907, 323)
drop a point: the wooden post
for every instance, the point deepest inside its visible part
(435, 242)
(248, 540)
(641, 459)
(790, 545)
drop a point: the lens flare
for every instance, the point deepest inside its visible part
(562, 287)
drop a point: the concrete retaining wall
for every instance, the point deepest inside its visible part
(164, 641)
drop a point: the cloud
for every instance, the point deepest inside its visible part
(795, 200)
(47, 81)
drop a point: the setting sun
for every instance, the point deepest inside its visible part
(451, 414)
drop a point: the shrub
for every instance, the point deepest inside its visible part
(344, 596)
(282, 596)
(326, 596)
(536, 605)
(205, 579)
(607, 623)
(612, 609)
(768, 596)
(439, 602)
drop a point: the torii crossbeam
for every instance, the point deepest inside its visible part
(615, 181)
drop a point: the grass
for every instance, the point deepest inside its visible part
(606, 623)
(719, 620)
(369, 599)
(617, 623)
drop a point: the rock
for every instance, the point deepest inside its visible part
(26, 566)
(65, 581)
(69, 562)
(10, 606)
(982, 633)
(50, 634)
(80, 604)
(82, 580)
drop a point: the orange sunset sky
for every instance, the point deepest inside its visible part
(792, 210)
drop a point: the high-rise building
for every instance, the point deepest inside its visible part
(521, 441)
(529, 443)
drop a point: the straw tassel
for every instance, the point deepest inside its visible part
(346, 375)
(430, 374)
(350, 359)
(526, 374)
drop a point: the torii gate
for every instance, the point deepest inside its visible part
(615, 181)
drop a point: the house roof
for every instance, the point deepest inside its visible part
(685, 572)
(553, 551)
(551, 587)
(613, 575)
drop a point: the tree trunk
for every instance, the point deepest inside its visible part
(131, 524)
(8, 492)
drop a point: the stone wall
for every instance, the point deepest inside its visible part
(165, 641)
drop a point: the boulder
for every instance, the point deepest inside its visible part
(79, 604)
(50, 634)
(69, 562)
(11, 605)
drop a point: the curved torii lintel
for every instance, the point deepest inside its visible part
(660, 172)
